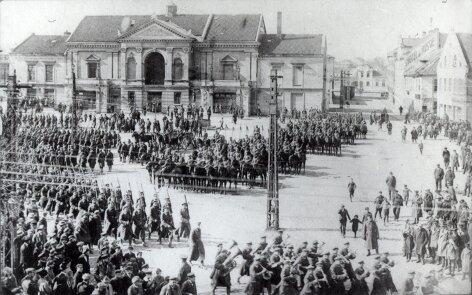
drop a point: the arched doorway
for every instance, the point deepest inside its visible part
(154, 68)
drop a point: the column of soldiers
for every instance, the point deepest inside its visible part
(278, 268)
(51, 262)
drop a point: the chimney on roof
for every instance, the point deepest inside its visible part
(279, 23)
(171, 10)
(133, 22)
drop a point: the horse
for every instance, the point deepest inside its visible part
(295, 163)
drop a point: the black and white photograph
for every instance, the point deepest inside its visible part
(276, 147)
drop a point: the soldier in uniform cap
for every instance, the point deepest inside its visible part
(409, 285)
(185, 269)
(85, 287)
(137, 286)
(189, 287)
(172, 288)
(184, 229)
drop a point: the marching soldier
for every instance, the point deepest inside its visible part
(139, 220)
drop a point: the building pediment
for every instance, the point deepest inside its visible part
(157, 30)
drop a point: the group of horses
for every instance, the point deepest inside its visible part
(213, 177)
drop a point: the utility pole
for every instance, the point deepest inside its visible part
(341, 91)
(272, 171)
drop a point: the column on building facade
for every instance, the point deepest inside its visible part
(122, 76)
(139, 63)
(168, 67)
(186, 62)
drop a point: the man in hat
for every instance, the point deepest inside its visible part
(84, 259)
(184, 229)
(391, 184)
(85, 287)
(438, 177)
(422, 241)
(351, 187)
(371, 235)
(378, 205)
(137, 286)
(139, 221)
(189, 287)
(197, 249)
(397, 204)
(343, 217)
(185, 269)
(167, 226)
(359, 284)
(409, 285)
(248, 259)
(172, 288)
(77, 279)
(339, 275)
(345, 251)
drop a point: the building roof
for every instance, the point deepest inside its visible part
(376, 73)
(242, 27)
(466, 43)
(104, 28)
(42, 45)
(424, 67)
(410, 42)
(273, 44)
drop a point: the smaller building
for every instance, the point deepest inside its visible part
(39, 62)
(454, 72)
(370, 82)
(302, 62)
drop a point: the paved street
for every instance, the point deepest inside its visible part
(308, 202)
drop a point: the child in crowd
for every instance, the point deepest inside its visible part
(355, 225)
(386, 210)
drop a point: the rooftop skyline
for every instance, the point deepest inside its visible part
(363, 28)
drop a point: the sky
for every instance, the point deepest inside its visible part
(354, 28)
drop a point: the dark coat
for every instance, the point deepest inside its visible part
(422, 240)
(371, 235)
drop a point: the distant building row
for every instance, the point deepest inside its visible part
(173, 59)
(433, 73)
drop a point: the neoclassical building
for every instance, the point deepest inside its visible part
(206, 59)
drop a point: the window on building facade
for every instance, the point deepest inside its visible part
(297, 75)
(368, 74)
(454, 61)
(376, 83)
(177, 96)
(367, 83)
(31, 92)
(49, 94)
(131, 69)
(49, 69)
(131, 97)
(435, 84)
(445, 61)
(31, 73)
(228, 71)
(92, 70)
(279, 70)
(178, 68)
(362, 74)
